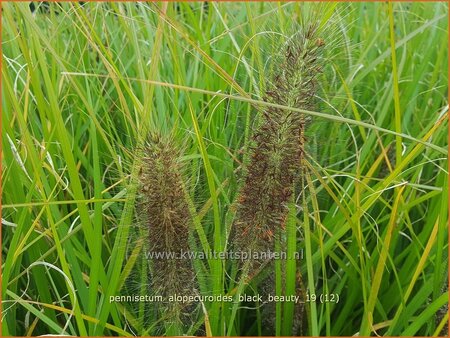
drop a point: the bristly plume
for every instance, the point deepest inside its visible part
(276, 150)
(165, 213)
(277, 146)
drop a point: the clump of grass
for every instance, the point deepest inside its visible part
(79, 90)
(164, 211)
(276, 150)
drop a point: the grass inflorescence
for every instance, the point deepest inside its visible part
(276, 152)
(164, 212)
(277, 146)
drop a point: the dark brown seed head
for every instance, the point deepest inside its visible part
(165, 212)
(277, 146)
